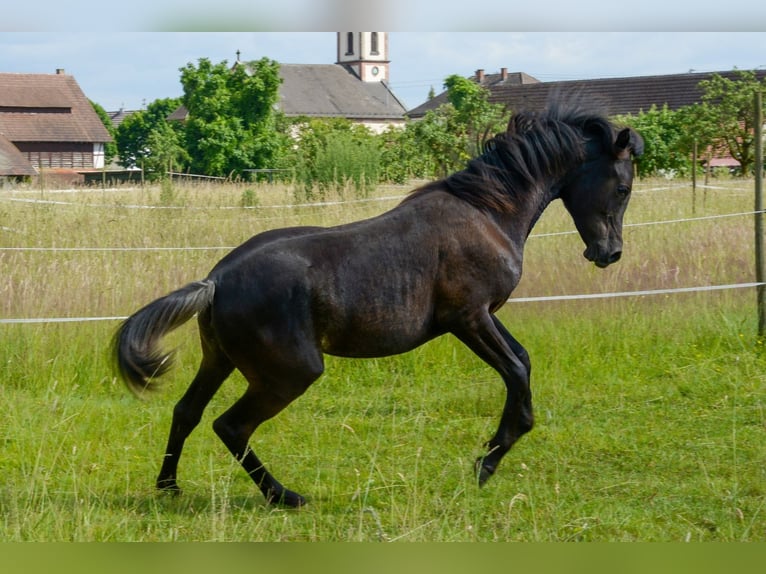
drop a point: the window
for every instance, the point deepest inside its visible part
(349, 43)
(374, 44)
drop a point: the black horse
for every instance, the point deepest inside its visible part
(443, 261)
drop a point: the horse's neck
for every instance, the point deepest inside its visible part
(531, 204)
(547, 197)
(519, 225)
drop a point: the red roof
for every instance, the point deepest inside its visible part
(47, 108)
(723, 162)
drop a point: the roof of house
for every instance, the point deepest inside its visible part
(490, 81)
(49, 108)
(119, 116)
(333, 90)
(330, 91)
(627, 95)
(12, 161)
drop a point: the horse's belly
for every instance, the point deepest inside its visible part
(372, 334)
(365, 348)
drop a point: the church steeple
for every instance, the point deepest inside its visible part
(366, 53)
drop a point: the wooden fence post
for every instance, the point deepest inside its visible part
(694, 177)
(759, 253)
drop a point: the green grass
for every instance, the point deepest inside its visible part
(650, 410)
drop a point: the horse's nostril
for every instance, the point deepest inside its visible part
(614, 257)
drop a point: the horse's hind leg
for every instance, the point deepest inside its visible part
(264, 398)
(213, 371)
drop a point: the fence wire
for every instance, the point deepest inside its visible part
(512, 300)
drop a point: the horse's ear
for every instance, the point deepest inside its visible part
(628, 142)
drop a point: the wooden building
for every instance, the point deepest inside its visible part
(50, 123)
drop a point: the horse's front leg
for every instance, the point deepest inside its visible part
(489, 339)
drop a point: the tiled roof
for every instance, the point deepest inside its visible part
(332, 90)
(490, 81)
(179, 115)
(12, 161)
(47, 108)
(627, 95)
(120, 115)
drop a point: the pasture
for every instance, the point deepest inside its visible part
(650, 422)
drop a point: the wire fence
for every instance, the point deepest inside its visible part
(513, 300)
(223, 247)
(584, 296)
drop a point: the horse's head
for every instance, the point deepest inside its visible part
(596, 193)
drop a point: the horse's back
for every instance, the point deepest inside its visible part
(240, 253)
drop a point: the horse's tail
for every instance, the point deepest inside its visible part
(136, 351)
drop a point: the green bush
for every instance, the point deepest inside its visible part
(333, 155)
(349, 160)
(249, 198)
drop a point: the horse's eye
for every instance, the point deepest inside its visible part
(623, 189)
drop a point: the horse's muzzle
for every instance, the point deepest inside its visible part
(602, 259)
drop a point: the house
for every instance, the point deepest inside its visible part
(491, 82)
(335, 91)
(355, 87)
(119, 116)
(50, 123)
(628, 95)
(620, 96)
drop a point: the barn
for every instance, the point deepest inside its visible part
(50, 124)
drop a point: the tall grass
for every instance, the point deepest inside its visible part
(650, 410)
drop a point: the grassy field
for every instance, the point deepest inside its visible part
(650, 410)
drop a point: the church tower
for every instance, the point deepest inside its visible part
(366, 53)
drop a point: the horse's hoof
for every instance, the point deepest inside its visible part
(169, 486)
(483, 471)
(286, 498)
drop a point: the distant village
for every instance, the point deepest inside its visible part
(47, 122)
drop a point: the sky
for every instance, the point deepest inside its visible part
(128, 70)
(401, 15)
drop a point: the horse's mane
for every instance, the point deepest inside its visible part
(535, 146)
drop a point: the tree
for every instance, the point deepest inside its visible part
(667, 148)
(728, 104)
(232, 120)
(456, 132)
(698, 132)
(434, 135)
(477, 120)
(146, 139)
(166, 153)
(110, 149)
